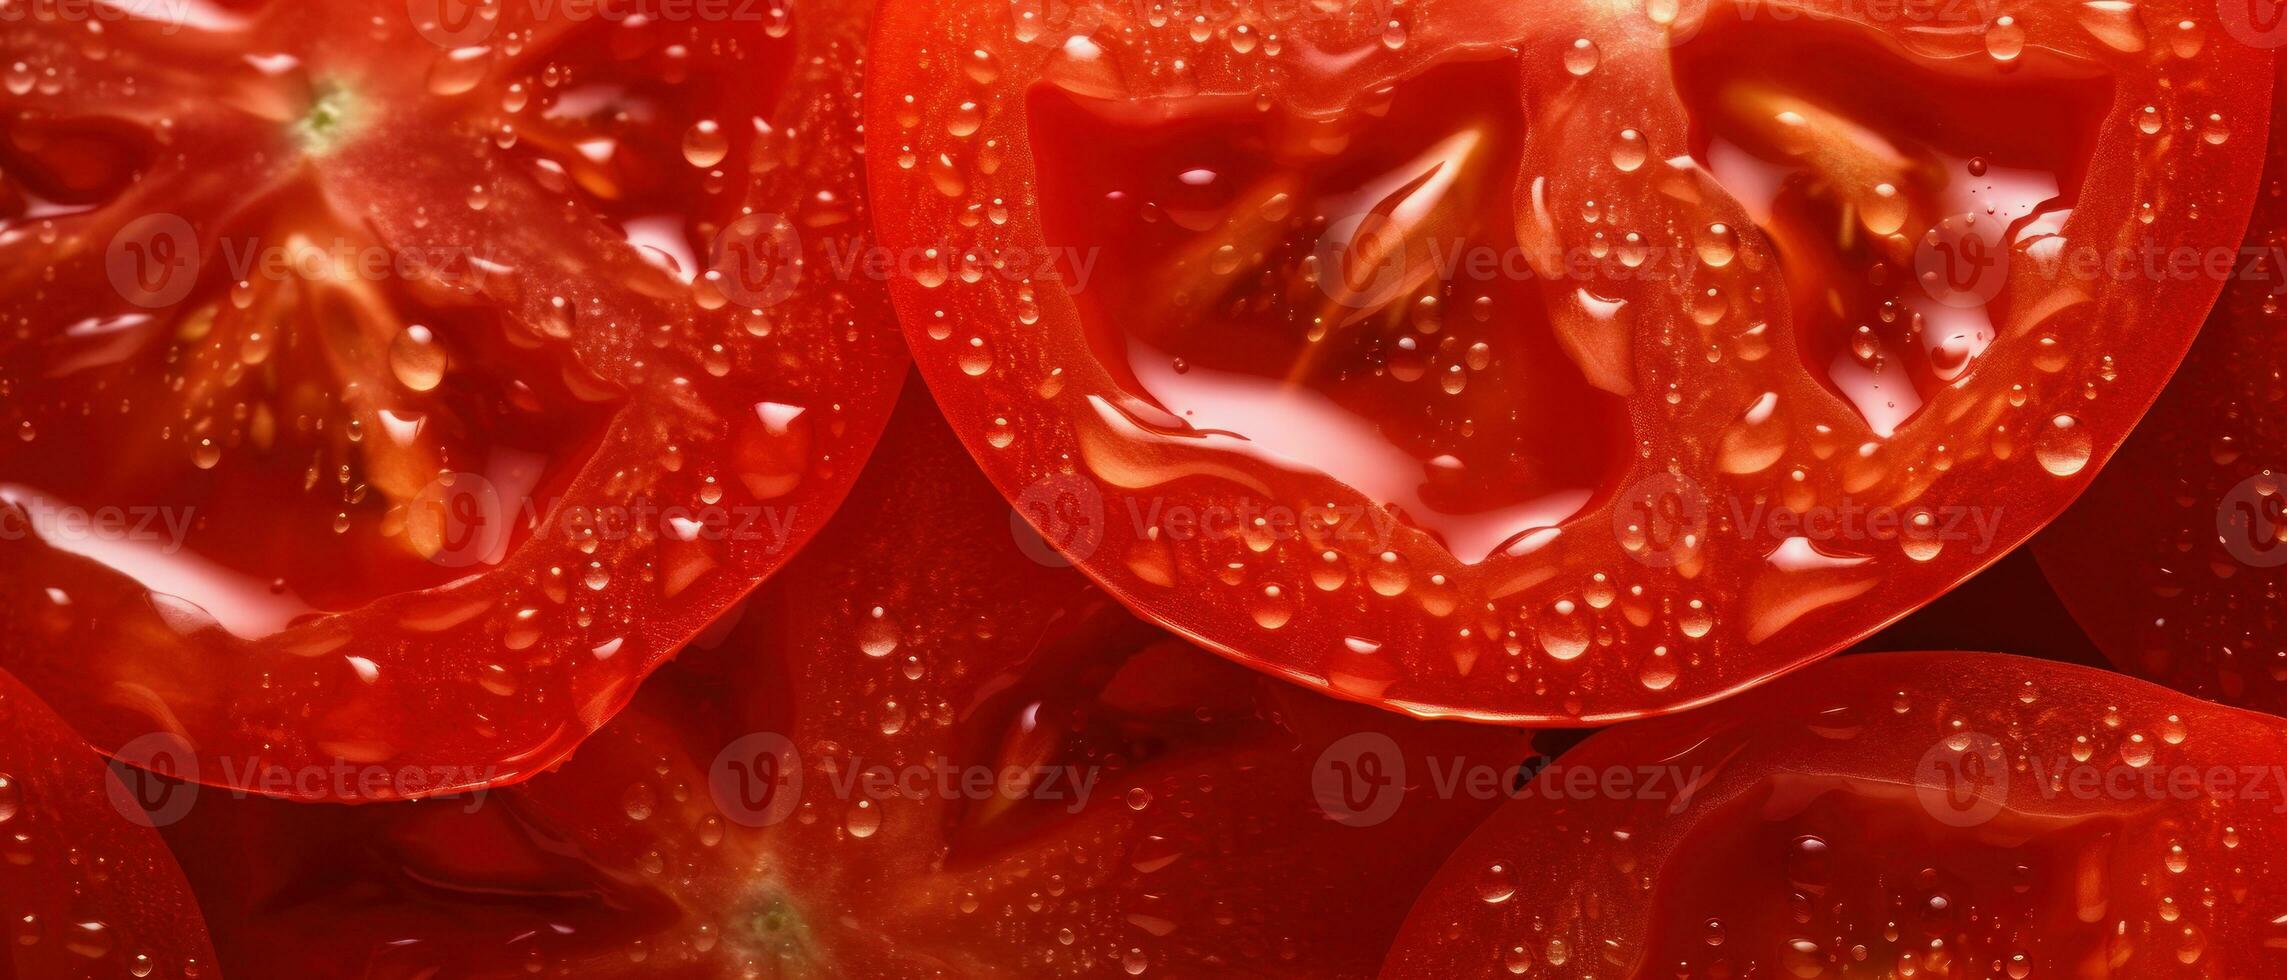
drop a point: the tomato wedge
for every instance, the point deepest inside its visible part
(1917, 814)
(1550, 363)
(395, 385)
(87, 888)
(2176, 558)
(1165, 814)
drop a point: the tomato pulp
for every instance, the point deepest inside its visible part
(393, 385)
(1899, 814)
(1555, 363)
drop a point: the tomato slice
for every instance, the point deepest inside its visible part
(916, 637)
(397, 390)
(87, 888)
(2175, 559)
(1549, 363)
(1911, 814)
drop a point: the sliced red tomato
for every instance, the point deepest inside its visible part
(1911, 814)
(2176, 558)
(1066, 791)
(87, 888)
(396, 384)
(1550, 363)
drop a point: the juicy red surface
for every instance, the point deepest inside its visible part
(1204, 844)
(430, 380)
(1884, 815)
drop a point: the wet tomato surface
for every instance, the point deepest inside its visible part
(2176, 559)
(1550, 363)
(1063, 790)
(87, 887)
(395, 385)
(1902, 814)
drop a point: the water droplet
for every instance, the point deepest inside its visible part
(2004, 39)
(878, 633)
(639, 803)
(416, 358)
(863, 820)
(458, 70)
(1581, 57)
(1719, 245)
(705, 144)
(1496, 886)
(2063, 446)
(1629, 151)
(1272, 608)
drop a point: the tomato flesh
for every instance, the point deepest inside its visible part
(917, 637)
(1549, 366)
(398, 390)
(87, 888)
(1811, 137)
(2173, 561)
(1883, 815)
(1244, 328)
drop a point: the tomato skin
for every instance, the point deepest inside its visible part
(614, 436)
(2172, 559)
(916, 629)
(1637, 604)
(87, 888)
(1882, 814)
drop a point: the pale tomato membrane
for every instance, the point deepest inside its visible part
(1901, 814)
(1554, 365)
(395, 388)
